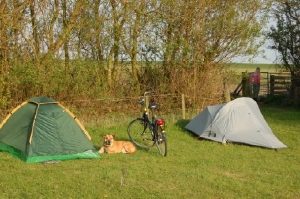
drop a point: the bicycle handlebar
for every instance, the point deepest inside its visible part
(148, 92)
(142, 101)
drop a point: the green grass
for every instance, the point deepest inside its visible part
(193, 169)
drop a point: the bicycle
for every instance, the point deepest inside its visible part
(146, 133)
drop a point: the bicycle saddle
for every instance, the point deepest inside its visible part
(153, 106)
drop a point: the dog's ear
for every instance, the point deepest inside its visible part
(113, 135)
(103, 135)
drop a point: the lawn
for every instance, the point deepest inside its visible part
(193, 168)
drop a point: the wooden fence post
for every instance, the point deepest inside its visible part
(272, 84)
(147, 103)
(183, 106)
(227, 95)
(246, 85)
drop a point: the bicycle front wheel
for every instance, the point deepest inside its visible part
(161, 141)
(140, 133)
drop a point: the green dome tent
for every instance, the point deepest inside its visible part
(41, 129)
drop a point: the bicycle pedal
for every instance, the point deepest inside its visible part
(160, 141)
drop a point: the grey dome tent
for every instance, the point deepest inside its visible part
(237, 121)
(41, 129)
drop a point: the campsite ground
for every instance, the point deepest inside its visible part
(193, 168)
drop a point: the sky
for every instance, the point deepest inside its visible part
(268, 57)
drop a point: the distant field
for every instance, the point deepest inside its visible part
(243, 67)
(239, 68)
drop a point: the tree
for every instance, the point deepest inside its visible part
(172, 45)
(3, 38)
(202, 35)
(131, 34)
(119, 15)
(286, 40)
(36, 41)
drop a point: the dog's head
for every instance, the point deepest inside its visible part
(108, 139)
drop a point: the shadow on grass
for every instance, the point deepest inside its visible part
(181, 124)
(97, 147)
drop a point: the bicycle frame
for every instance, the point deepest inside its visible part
(153, 132)
(154, 120)
(147, 122)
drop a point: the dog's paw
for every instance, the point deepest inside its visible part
(101, 150)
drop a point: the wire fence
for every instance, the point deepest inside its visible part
(99, 110)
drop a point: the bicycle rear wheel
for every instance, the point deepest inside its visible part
(161, 141)
(140, 133)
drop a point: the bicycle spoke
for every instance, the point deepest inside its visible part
(140, 134)
(146, 133)
(161, 142)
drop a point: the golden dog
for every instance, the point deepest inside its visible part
(110, 145)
